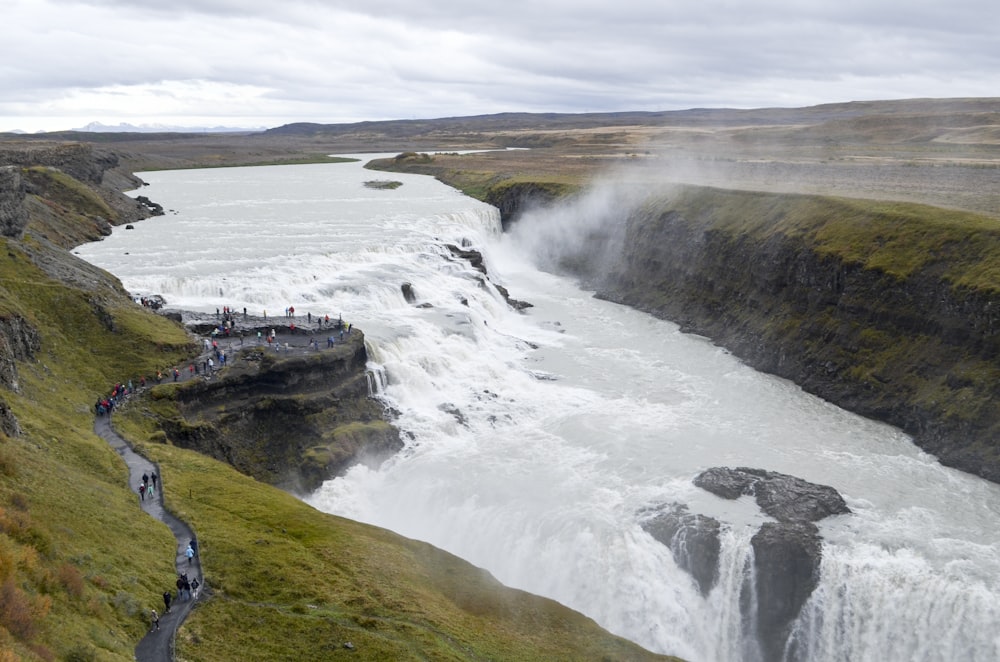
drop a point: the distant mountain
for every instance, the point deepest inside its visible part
(123, 127)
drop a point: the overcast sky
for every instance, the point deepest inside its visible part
(254, 63)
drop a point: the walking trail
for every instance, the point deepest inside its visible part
(157, 646)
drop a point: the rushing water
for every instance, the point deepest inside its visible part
(535, 439)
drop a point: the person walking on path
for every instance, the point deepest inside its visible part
(189, 553)
(154, 620)
(166, 602)
(152, 476)
(142, 491)
(156, 647)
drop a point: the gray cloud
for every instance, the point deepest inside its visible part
(250, 62)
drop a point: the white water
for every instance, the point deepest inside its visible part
(573, 417)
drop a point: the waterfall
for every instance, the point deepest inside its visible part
(535, 439)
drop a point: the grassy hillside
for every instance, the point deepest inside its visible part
(78, 560)
(290, 583)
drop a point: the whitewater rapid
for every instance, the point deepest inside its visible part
(536, 439)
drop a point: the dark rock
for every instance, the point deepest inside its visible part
(513, 303)
(78, 160)
(787, 553)
(155, 208)
(787, 558)
(474, 257)
(407, 289)
(692, 539)
(454, 411)
(13, 214)
(783, 497)
(130, 227)
(19, 341)
(8, 422)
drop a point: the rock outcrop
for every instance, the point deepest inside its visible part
(475, 259)
(13, 214)
(693, 540)
(787, 553)
(68, 193)
(783, 497)
(19, 341)
(786, 571)
(290, 419)
(78, 160)
(514, 198)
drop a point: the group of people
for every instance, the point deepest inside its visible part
(147, 488)
(186, 590)
(118, 393)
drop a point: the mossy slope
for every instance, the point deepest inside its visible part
(78, 561)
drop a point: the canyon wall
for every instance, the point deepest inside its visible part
(885, 309)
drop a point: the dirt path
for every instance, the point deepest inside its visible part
(157, 646)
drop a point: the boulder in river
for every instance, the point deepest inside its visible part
(786, 562)
(693, 540)
(783, 497)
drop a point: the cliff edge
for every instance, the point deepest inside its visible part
(292, 418)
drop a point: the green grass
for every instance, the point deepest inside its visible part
(83, 561)
(897, 238)
(59, 188)
(478, 182)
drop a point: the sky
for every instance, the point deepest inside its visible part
(265, 63)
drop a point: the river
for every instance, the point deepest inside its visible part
(536, 439)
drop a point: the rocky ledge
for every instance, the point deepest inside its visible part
(292, 418)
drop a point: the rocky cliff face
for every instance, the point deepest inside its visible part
(514, 198)
(69, 193)
(13, 214)
(78, 160)
(917, 350)
(289, 419)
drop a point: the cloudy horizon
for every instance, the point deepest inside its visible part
(253, 64)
